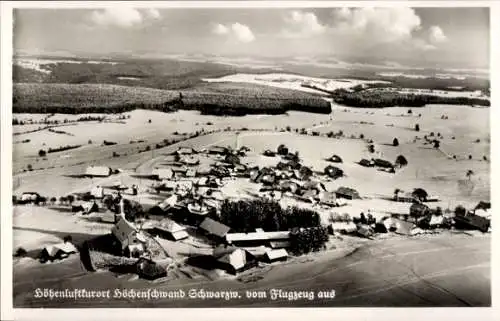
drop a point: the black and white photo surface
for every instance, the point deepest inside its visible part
(213, 157)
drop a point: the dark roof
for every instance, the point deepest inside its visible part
(215, 228)
(347, 191)
(382, 163)
(333, 171)
(365, 162)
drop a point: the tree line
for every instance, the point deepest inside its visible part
(366, 99)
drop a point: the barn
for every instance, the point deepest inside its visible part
(233, 259)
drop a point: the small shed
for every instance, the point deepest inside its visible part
(276, 255)
(347, 193)
(214, 229)
(98, 171)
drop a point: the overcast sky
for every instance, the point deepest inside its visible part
(441, 35)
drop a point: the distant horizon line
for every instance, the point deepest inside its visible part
(339, 59)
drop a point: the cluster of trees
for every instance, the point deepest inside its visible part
(246, 216)
(132, 209)
(378, 99)
(62, 148)
(306, 240)
(60, 132)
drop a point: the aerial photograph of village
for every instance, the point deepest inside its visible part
(251, 157)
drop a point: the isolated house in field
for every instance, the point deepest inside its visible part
(163, 173)
(98, 171)
(257, 238)
(366, 163)
(233, 260)
(130, 239)
(214, 229)
(57, 251)
(276, 255)
(169, 229)
(347, 193)
(335, 159)
(333, 172)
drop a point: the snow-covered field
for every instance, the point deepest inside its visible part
(290, 81)
(444, 75)
(434, 92)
